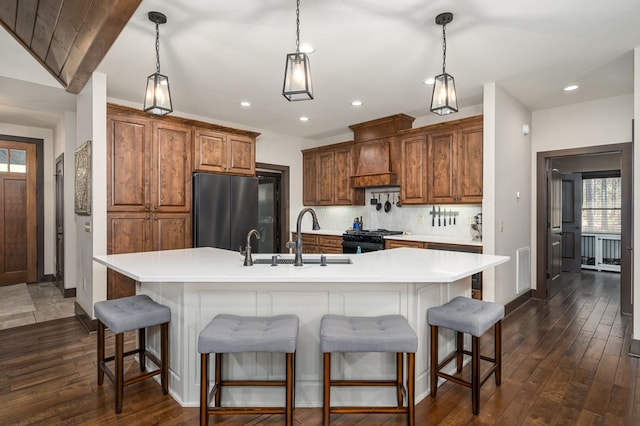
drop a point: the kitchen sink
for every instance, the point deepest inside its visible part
(306, 260)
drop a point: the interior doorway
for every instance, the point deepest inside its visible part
(273, 207)
(59, 278)
(547, 160)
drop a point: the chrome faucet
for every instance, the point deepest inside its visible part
(298, 243)
(248, 261)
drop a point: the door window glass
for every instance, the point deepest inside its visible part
(4, 160)
(18, 161)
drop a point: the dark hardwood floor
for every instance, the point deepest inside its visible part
(565, 362)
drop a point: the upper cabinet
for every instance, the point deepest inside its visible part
(454, 166)
(149, 165)
(221, 152)
(413, 181)
(326, 176)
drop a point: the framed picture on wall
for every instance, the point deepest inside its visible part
(83, 179)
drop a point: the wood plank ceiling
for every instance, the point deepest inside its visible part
(68, 37)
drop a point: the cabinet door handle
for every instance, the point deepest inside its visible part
(147, 207)
(155, 207)
(155, 217)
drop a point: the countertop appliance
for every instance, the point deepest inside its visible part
(366, 239)
(225, 209)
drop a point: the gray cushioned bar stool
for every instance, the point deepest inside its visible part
(474, 317)
(387, 333)
(232, 334)
(128, 314)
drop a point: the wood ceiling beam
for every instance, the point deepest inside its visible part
(68, 37)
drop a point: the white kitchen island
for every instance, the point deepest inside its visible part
(199, 283)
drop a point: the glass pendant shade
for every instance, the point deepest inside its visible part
(297, 78)
(443, 99)
(157, 99)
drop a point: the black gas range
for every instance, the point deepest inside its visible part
(366, 239)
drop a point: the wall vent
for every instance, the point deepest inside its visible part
(523, 269)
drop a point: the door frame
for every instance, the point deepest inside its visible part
(284, 199)
(626, 243)
(39, 143)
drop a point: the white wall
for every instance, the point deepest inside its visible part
(49, 186)
(91, 230)
(507, 168)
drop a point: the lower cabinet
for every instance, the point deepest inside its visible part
(138, 232)
(320, 244)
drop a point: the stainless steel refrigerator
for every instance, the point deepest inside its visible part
(225, 209)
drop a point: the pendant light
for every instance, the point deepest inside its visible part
(297, 73)
(444, 100)
(157, 99)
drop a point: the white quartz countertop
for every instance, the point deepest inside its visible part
(206, 264)
(333, 232)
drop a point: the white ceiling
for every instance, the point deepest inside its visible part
(218, 53)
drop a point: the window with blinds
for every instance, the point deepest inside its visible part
(601, 204)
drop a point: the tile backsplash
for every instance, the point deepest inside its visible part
(414, 219)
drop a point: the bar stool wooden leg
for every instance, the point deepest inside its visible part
(459, 350)
(498, 351)
(411, 389)
(326, 389)
(399, 377)
(100, 353)
(164, 347)
(434, 361)
(119, 371)
(142, 347)
(289, 389)
(217, 384)
(475, 374)
(204, 389)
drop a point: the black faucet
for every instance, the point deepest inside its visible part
(298, 243)
(248, 260)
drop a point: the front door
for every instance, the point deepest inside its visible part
(18, 231)
(572, 222)
(554, 232)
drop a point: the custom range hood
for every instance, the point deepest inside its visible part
(377, 151)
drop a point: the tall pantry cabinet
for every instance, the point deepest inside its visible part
(148, 188)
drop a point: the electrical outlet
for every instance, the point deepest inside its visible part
(421, 219)
(84, 283)
(469, 220)
(501, 225)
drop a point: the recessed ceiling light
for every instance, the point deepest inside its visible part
(429, 81)
(307, 48)
(356, 103)
(571, 87)
(245, 103)
(304, 118)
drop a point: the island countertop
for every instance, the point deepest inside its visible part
(207, 264)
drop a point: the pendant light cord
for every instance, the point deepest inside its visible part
(444, 48)
(298, 26)
(157, 48)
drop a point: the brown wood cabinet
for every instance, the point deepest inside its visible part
(220, 152)
(327, 176)
(391, 244)
(148, 165)
(138, 232)
(320, 244)
(454, 166)
(413, 181)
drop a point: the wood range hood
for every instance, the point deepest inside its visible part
(377, 151)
